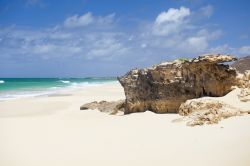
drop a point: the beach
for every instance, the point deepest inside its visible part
(53, 131)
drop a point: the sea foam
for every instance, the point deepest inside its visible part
(1, 81)
(65, 82)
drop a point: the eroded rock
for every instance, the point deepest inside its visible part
(162, 88)
(244, 95)
(243, 80)
(207, 111)
(111, 107)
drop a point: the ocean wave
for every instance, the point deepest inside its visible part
(65, 82)
(23, 94)
(30, 92)
(2, 81)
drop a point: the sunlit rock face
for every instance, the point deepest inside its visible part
(162, 88)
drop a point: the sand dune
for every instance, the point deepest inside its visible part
(52, 131)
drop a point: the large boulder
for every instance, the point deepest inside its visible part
(162, 88)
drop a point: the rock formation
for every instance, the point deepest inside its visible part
(111, 107)
(243, 81)
(208, 111)
(179, 87)
(244, 95)
(164, 87)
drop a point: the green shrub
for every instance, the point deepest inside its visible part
(182, 59)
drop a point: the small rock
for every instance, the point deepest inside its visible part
(111, 107)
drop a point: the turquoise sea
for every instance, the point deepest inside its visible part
(11, 88)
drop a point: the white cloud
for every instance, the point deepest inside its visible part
(112, 43)
(43, 49)
(193, 44)
(63, 43)
(106, 20)
(245, 50)
(172, 15)
(79, 21)
(222, 49)
(210, 35)
(244, 36)
(88, 19)
(206, 11)
(57, 49)
(106, 46)
(197, 44)
(131, 38)
(226, 49)
(167, 37)
(60, 35)
(143, 45)
(32, 3)
(178, 31)
(171, 21)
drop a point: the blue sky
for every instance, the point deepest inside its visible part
(49, 38)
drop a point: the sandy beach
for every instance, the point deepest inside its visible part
(124, 83)
(53, 131)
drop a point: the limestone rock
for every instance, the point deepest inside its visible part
(207, 111)
(244, 83)
(244, 95)
(215, 58)
(243, 80)
(162, 88)
(111, 107)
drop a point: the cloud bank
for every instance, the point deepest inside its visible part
(92, 39)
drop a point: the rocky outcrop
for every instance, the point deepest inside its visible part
(208, 111)
(111, 107)
(243, 80)
(244, 95)
(162, 88)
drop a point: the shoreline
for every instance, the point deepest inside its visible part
(46, 92)
(77, 97)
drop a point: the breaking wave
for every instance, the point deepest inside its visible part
(65, 82)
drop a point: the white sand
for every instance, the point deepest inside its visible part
(52, 131)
